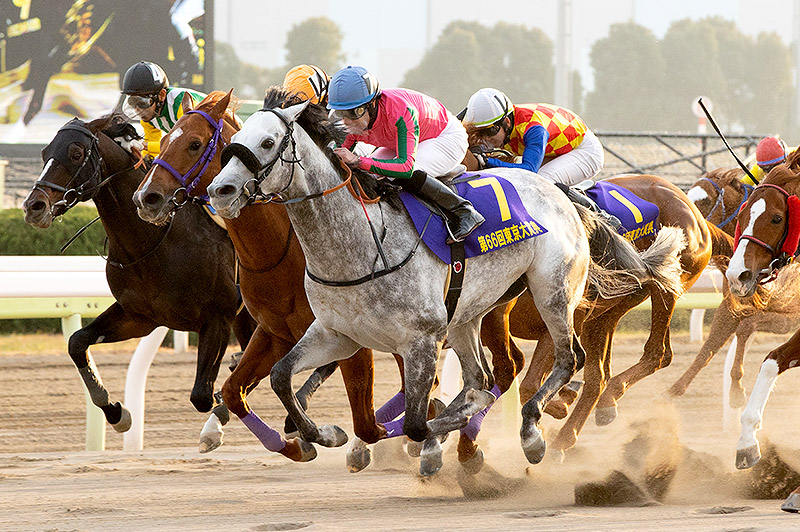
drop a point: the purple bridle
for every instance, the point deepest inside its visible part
(205, 160)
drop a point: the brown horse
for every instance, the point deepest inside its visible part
(180, 276)
(768, 230)
(777, 315)
(271, 271)
(596, 325)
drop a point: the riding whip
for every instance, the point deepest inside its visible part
(714, 125)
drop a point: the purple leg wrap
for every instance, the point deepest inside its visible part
(474, 426)
(393, 408)
(394, 428)
(269, 437)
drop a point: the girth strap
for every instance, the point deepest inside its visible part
(458, 264)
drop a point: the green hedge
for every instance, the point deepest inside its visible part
(19, 238)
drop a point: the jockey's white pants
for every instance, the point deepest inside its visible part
(583, 162)
(439, 155)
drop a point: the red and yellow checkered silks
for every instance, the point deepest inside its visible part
(565, 129)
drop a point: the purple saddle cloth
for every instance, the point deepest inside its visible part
(638, 217)
(507, 220)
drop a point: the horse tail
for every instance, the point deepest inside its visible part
(618, 269)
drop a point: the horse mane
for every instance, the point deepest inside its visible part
(314, 121)
(213, 98)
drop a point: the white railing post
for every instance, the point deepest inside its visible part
(135, 381)
(696, 325)
(95, 419)
(180, 341)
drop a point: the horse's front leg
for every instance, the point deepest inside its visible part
(317, 347)
(212, 343)
(748, 452)
(113, 325)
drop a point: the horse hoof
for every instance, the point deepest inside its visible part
(737, 398)
(747, 457)
(210, 441)
(307, 451)
(556, 409)
(124, 423)
(430, 462)
(359, 456)
(235, 358)
(331, 436)
(605, 415)
(534, 449)
(474, 464)
(792, 504)
(290, 435)
(414, 448)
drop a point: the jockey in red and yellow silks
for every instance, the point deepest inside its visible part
(552, 141)
(417, 140)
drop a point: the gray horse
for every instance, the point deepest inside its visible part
(281, 155)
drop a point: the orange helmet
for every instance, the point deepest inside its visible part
(308, 81)
(770, 151)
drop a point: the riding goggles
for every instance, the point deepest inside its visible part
(350, 114)
(492, 130)
(135, 105)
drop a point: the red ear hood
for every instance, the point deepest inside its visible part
(793, 219)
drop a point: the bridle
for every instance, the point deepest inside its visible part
(784, 252)
(259, 171)
(71, 194)
(182, 195)
(721, 202)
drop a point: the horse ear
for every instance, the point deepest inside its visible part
(221, 106)
(291, 113)
(186, 103)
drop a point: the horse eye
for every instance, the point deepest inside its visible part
(76, 154)
(195, 145)
(267, 143)
(777, 219)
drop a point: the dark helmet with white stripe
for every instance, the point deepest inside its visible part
(144, 78)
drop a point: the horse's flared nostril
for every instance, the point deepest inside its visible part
(226, 190)
(745, 276)
(36, 207)
(153, 199)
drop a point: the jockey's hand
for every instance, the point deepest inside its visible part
(349, 158)
(481, 158)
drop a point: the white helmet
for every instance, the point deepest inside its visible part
(486, 107)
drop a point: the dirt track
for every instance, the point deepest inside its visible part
(47, 481)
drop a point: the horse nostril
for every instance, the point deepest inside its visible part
(152, 199)
(745, 276)
(226, 190)
(37, 206)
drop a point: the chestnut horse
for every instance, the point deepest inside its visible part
(180, 276)
(271, 275)
(596, 325)
(718, 196)
(768, 231)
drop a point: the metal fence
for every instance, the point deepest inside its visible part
(678, 157)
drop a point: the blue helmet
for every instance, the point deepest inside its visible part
(351, 87)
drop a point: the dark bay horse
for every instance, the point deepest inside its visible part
(718, 196)
(180, 276)
(271, 273)
(768, 232)
(596, 324)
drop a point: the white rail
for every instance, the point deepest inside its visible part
(71, 288)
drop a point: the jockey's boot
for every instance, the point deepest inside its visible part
(462, 216)
(584, 201)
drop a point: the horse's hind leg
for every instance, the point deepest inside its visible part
(113, 325)
(317, 347)
(723, 326)
(657, 354)
(556, 307)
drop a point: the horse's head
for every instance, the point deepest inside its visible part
(269, 156)
(73, 168)
(189, 158)
(768, 229)
(719, 195)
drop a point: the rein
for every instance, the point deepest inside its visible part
(788, 247)
(204, 160)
